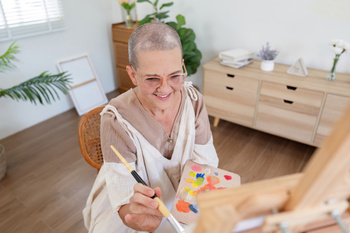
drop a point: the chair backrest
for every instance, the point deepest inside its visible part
(89, 137)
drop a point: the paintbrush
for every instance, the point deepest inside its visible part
(161, 206)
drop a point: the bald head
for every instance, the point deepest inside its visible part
(151, 37)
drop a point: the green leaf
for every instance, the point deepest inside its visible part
(186, 34)
(173, 25)
(188, 46)
(39, 89)
(156, 3)
(8, 57)
(140, 1)
(162, 15)
(166, 5)
(180, 20)
(147, 19)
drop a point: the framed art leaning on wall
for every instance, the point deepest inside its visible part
(86, 91)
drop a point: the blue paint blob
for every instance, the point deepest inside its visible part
(200, 175)
(193, 207)
(216, 173)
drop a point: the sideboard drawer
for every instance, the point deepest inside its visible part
(292, 93)
(230, 97)
(286, 118)
(122, 57)
(124, 79)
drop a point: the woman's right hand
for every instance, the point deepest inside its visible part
(142, 212)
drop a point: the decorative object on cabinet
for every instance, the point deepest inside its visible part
(191, 53)
(121, 34)
(298, 68)
(276, 102)
(267, 56)
(130, 12)
(86, 90)
(338, 47)
(236, 58)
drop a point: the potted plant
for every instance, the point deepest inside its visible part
(41, 88)
(267, 56)
(128, 6)
(191, 54)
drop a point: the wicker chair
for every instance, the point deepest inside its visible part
(89, 137)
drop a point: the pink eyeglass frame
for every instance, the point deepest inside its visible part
(163, 77)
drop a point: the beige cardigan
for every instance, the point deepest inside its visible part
(114, 184)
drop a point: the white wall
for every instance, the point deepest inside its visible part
(297, 28)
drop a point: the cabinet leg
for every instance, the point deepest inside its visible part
(216, 121)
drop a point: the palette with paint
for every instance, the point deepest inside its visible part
(195, 179)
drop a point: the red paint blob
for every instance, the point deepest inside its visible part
(228, 177)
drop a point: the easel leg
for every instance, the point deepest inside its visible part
(284, 227)
(336, 216)
(216, 121)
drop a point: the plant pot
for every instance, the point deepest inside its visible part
(2, 162)
(267, 65)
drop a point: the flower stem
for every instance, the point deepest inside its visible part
(335, 63)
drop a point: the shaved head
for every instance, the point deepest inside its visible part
(151, 37)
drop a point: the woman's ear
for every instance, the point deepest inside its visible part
(132, 75)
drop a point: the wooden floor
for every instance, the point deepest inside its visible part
(48, 180)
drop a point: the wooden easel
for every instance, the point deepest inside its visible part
(304, 202)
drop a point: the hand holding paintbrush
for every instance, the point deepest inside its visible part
(141, 189)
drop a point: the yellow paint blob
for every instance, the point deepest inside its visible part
(193, 174)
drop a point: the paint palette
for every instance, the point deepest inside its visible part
(195, 179)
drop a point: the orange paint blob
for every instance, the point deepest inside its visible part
(212, 181)
(183, 206)
(189, 180)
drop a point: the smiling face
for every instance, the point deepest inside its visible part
(160, 63)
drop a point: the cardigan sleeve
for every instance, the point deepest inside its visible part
(112, 133)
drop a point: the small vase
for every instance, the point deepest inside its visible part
(129, 13)
(331, 75)
(128, 21)
(267, 65)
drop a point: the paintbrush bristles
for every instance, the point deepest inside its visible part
(127, 165)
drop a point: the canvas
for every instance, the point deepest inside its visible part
(195, 179)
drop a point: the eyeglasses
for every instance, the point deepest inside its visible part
(154, 81)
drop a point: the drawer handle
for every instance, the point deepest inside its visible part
(229, 88)
(231, 75)
(288, 101)
(291, 88)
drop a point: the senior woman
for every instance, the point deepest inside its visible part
(157, 126)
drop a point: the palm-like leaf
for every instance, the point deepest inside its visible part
(39, 89)
(7, 58)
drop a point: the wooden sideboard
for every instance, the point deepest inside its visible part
(121, 34)
(303, 109)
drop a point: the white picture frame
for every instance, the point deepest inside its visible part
(86, 90)
(298, 68)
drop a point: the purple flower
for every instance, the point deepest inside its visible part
(266, 53)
